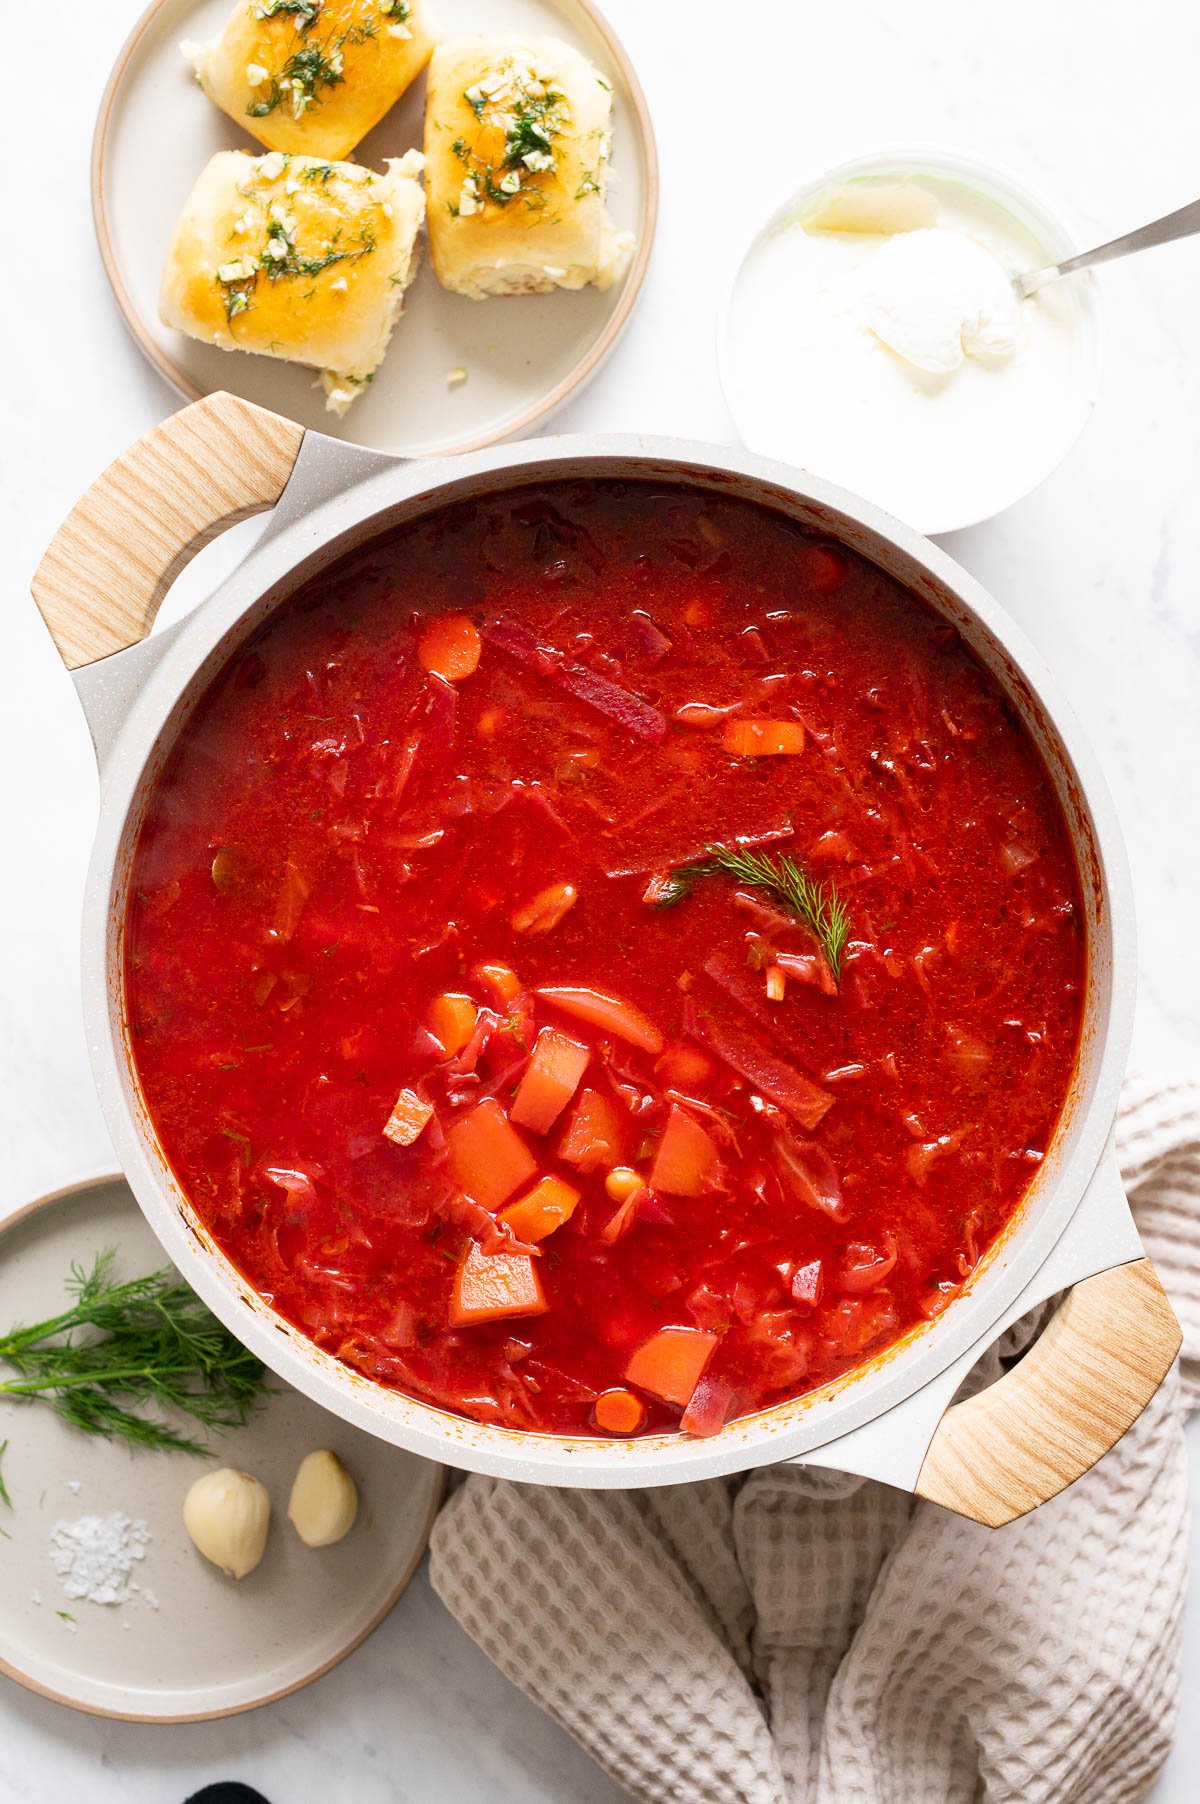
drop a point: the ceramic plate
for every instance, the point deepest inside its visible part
(190, 1643)
(524, 354)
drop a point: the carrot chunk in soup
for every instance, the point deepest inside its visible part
(686, 1163)
(500, 981)
(669, 1364)
(488, 1286)
(550, 1081)
(450, 647)
(487, 1155)
(597, 1135)
(763, 738)
(542, 1210)
(618, 1411)
(609, 1013)
(452, 1021)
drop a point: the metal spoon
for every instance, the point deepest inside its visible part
(1174, 225)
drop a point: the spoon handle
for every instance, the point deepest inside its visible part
(1180, 224)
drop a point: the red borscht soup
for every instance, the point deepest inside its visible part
(604, 960)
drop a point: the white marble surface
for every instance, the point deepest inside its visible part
(1102, 567)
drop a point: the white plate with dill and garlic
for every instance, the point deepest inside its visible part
(419, 225)
(181, 1535)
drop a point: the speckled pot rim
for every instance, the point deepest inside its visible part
(338, 499)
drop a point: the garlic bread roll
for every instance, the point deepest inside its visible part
(296, 258)
(517, 144)
(313, 75)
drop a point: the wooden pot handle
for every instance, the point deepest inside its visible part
(1090, 1375)
(122, 545)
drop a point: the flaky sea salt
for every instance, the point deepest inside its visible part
(95, 1555)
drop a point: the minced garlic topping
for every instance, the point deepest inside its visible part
(278, 256)
(316, 62)
(522, 114)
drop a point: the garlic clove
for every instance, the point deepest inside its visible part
(324, 1500)
(227, 1515)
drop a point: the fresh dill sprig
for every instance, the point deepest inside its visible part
(817, 905)
(4, 1496)
(126, 1344)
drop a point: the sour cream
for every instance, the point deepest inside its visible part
(874, 337)
(937, 297)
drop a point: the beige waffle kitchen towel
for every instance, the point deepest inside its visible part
(796, 1637)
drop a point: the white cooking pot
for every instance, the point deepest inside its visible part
(992, 1457)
